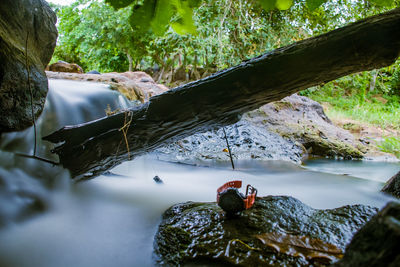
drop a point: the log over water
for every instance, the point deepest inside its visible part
(91, 148)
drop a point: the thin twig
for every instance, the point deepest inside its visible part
(30, 90)
(124, 130)
(38, 158)
(229, 148)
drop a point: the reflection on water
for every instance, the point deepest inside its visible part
(111, 220)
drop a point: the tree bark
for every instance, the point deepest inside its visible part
(220, 99)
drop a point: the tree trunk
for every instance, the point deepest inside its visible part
(130, 60)
(220, 99)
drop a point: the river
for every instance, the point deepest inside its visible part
(112, 219)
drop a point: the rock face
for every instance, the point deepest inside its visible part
(62, 66)
(286, 130)
(21, 22)
(301, 119)
(378, 242)
(277, 230)
(247, 141)
(136, 85)
(392, 186)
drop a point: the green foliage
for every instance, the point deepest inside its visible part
(390, 145)
(352, 96)
(314, 4)
(395, 83)
(119, 3)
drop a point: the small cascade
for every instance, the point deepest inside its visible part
(67, 103)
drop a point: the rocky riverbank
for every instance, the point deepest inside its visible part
(290, 129)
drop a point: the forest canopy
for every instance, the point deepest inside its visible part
(196, 36)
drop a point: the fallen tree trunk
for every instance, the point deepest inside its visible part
(91, 148)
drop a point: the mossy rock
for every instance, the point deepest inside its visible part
(191, 233)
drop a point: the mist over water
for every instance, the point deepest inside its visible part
(112, 219)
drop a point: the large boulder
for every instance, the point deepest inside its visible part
(277, 231)
(289, 129)
(22, 66)
(301, 119)
(377, 243)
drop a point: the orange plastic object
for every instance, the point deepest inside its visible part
(250, 196)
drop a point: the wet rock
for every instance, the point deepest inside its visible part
(134, 85)
(378, 242)
(246, 140)
(303, 120)
(194, 232)
(62, 66)
(392, 186)
(288, 130)
(22, 21)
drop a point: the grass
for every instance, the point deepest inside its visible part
(390, 145)
(350, 98)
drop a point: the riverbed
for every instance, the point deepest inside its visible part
(111, 220)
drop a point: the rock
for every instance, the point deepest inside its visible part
(247, 141)
(195, 232)
(378, 242)
(93, 72)
(303, 120)
(62, 66)
(22, 20)
(283, 130)
(392, 186)
(134, 85)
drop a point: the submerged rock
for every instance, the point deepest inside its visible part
(24, 22)
(378, 242)
(392, 186)
(277, 230)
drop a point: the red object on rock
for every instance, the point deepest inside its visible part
(231, 201)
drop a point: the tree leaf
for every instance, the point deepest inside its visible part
(119, 3)
(184, 23)
(295, 245)
(162, 17)
(267, 5)
(383, 2)
(314, 4)
(142, 15)
(284, 4)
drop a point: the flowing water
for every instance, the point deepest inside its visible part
(112, 219)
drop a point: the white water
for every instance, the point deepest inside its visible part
(111, 220)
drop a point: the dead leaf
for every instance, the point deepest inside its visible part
(301, 246)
